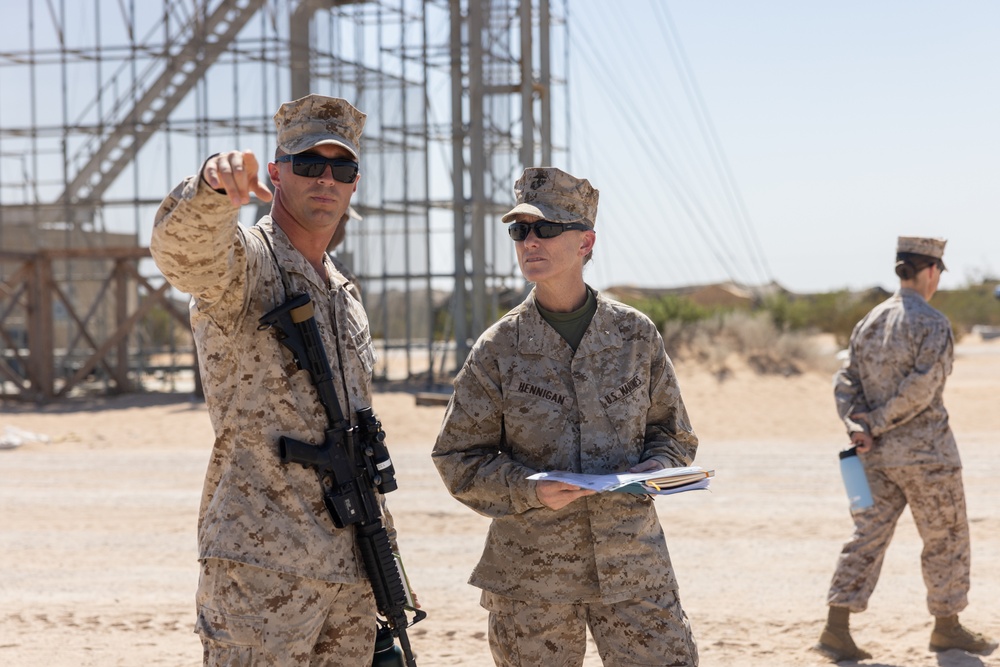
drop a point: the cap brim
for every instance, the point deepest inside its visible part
(546, 212)
(308, 141)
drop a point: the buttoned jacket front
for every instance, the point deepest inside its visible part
(525, 402)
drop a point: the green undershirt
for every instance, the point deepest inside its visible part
(571, 326)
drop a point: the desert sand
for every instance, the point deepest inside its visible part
(98, 553)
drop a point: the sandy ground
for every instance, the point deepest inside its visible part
(97, 528)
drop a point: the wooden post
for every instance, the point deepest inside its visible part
(41, 338)
(35, 375)
(121, 316)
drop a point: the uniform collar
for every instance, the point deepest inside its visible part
(908, 292)
(535, 335)
(294, 261)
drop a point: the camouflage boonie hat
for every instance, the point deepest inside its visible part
(918, 245)
(552, 194)
(314, 119)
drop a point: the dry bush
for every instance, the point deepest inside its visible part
(752, 337)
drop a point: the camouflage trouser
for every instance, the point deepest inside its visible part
(937, 502)
(250, 617)
(644, 631)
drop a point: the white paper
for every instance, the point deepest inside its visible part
(687, 478)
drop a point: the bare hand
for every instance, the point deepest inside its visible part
(556, 495)
(646, 466)
(862, 439)
(236, 173)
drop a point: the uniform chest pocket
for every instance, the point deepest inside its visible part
(626, 407)
(537, 418)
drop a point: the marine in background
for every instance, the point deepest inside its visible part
(338, 261)
(889, 395)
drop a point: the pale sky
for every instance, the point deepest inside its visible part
(845, 124)
(827, 130)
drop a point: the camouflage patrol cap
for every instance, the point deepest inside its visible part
(314, 119)
(351, 214)
(919, 245)
(552, 194)
(341, 233)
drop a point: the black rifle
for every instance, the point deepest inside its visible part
(351, 463)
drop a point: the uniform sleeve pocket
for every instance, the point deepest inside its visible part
(229, 639)
(366, 350)
(361, 338)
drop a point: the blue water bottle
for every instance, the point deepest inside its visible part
(855, 480)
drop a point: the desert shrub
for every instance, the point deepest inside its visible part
(764, 346)
(833, 312)
(712, 338)
(673, 317)
(975, 304)
(777, 336)
(161, 330)
(672, 309)
(838, 312)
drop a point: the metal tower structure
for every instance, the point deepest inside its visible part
(106, 104)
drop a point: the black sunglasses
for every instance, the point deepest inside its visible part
(311, 165)
(544, 229)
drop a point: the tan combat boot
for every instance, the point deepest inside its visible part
(836, 641)
(948, 633)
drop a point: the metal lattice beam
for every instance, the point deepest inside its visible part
(206, 42)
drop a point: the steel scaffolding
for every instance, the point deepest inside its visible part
(106, 104)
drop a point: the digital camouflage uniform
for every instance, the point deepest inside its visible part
(256, 511)
(524, 402)
(900, 356)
